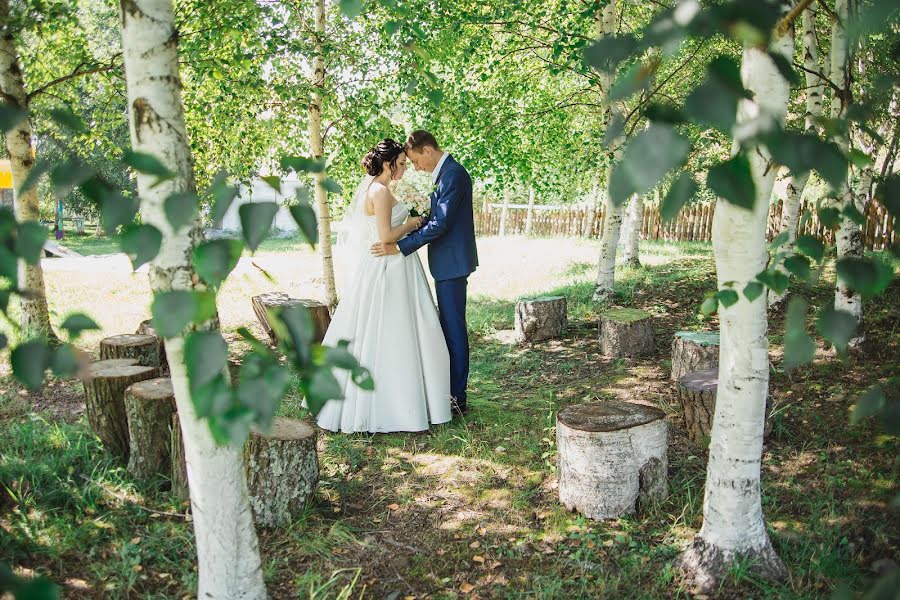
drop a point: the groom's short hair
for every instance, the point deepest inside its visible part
(420, 138)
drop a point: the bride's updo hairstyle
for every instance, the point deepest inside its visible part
(385, 152)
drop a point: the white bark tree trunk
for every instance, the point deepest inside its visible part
(849, 235)
(504, 212)
(35, 315)
(227, 552)
(317, 143)
(733, 525)
(815, 90)
(529, 218)
(632, 237)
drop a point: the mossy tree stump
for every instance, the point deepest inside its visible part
(143, 348)
(150, 406)
(282, 470)
(694, 351)
(697, 397)
(147, 328)
(626, 332)
(612, 457)
(263, 303)
(104, 388)
(541, 318)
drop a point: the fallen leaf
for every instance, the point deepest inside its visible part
(496, 564)
(137, 568)
(135, 540)
(466, 587)
(475, 544)
(478, 559)
(394, 506)
(482, 530)
(609, 543)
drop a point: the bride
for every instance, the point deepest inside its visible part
(388, 315)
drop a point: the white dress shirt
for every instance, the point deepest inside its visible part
(437, 168)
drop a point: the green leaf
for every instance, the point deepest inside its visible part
(683, 189)
(647, 158)
(804, 152)
(773, 279)
(363, 379)
(232, 427)
(306, 220)
(205, 355)
(732, 181)
(29, 362)
(64, 362)
(69, 174)
(709, 306)
(331, 186)
(215, 259)
(116, 209)
(141, 243)
(10, 116)
(263, 382)
(851, 212)
(30, 238)
(779, 240)
(212, 398)
(78, 322)
(798, 265)
(293, 326)
(634, 79)
(323, 386)
(837, 328)
(869, 404)
(888, 193)
(785, 67)
(867, 276)
(753, 290)
(351, 8)
(728, 297)
(147, 164)
(860, 159)
(664, 113)
(799, 347)
(256, 221)
(38, 169)
(68, 119)
(811, 247)
(175, 310)
(829, 216)
(714, 102)
(302, 164)
(435, 97)
(223, 195)
(180, 209)
(614, 130)
(273, 181)
(604, 54)
(340, 357)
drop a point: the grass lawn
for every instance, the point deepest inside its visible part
(469, 509)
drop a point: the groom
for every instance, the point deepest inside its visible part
(452, 256)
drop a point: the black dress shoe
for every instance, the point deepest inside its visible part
(458, 408)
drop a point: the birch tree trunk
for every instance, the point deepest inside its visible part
(35, 315)
(609, 241)
(504, 212)
(815, 90)
(632, 239)
(594, 203)
(849, 240)
(529, 218)
(227, 552)
(317, 143)
(733, 525)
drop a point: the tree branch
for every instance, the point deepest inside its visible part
(76, 73)
(785, 23)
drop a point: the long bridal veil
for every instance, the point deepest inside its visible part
(353, 237)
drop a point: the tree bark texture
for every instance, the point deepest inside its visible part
(626, 332)
(541, 318)
(694, 351)
(142, 348)
(264, 303)
(150, 406)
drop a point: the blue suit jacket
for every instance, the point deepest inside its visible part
(450, 230)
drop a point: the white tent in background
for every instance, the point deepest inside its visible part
(260, 191)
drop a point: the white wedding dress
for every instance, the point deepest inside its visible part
(387, 314)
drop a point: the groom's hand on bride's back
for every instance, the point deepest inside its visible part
(385, 248)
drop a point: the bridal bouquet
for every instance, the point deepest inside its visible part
(413, 190)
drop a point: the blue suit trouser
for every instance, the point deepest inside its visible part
(451, 298)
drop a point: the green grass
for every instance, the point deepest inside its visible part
(410, 513)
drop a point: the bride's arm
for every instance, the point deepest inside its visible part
(384, 205)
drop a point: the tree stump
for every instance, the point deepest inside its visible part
(104, 389)
(179, 464)
(541, 318)
(282, 470)
(626, 332)
(150, 406)
(146, 328)
(694, 351)
(264, 302)
(612, 457)
(697, 396)
(143, 348)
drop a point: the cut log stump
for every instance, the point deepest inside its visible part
(697, 396)
(263, 303)
(143, 348)
(150, 406)
(626, 332)
(541, 318)
(694, 351)
(104, 388)
(612, 457)
(179, 464)
(147, 328)
(282, 470)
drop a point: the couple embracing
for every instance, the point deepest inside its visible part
(418, 355)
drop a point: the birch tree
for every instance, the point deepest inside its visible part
(227, 550)
(35, 314)
(815, 90)
(632, 238)
(733, 523)
(317, 145)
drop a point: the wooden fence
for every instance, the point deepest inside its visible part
(693, 224)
